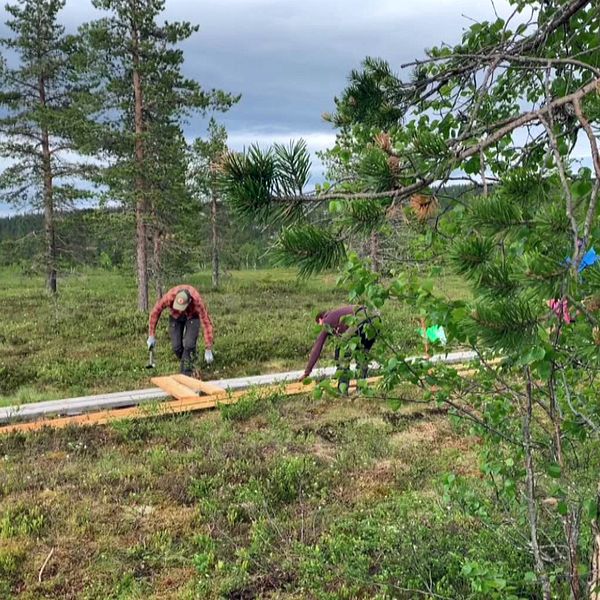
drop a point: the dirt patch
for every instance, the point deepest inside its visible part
(375, 482)
(399, 420)
(167, 585)
(323, 451)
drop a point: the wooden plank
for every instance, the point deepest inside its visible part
(206, 387)
(94, 403)
(467, 368)
(182, 405)
(173, 387)
(188, 401)
(166, 408)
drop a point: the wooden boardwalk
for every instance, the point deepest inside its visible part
(189, 395)
(188, 403)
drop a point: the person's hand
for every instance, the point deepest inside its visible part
(151, 342)
(208, 357)
(304, 376)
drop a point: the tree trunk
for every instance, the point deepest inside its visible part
(141, 255)
(571, 519)
(141, 208)
(215, 242)
(158, 279)
(530, 491)
(375, 258)
(48, 195)
(594, 577)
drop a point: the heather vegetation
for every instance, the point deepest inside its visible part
(461, 191)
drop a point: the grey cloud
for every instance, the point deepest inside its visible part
(289, 58)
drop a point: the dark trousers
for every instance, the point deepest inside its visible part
(184, 337)
(362, 360)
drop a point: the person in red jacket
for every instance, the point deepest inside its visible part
(187, 312)
(346, 321)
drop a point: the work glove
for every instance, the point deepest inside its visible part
(151, 342)
(208, 357)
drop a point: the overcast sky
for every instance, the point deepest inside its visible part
(289, 58)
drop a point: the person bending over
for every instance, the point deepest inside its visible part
(187, 311)
(344, 323)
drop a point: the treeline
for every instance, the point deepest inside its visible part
(102, 238)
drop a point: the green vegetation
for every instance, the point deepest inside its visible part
(302, 498)
(525, 245)
(92, 339)
(315, 497)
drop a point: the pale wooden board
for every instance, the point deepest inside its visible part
(198, 385)
(182, 405)
(137, 412)
(173, 387)
(188, 401)
(106, 401)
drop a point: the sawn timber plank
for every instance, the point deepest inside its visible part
(182, 405)
(198, 385)
(173, 387)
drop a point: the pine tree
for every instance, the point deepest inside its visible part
(138, 66)
(207, 156)
(42, 105)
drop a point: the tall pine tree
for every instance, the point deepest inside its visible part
(145, 97)
(42, 106)
(207, 157)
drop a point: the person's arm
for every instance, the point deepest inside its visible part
(160, 305)
(315, 353)
(202, 312)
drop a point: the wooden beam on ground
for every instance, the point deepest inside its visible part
(206, 387)
(173, 387)
(173, 407)
(188, 401)
(122, 400)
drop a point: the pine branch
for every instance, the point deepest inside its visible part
(310, 249)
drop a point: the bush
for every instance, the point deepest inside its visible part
(21, 520)
(11, 561)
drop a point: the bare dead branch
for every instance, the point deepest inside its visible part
(497, 58)
(41, 572)
(530, 486)
(460, 154)
(566, 188)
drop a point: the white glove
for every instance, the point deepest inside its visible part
(151, 342)
(208, 357)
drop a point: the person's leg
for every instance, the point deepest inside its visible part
(366, 343)
(176, 334)
(343, 367)
(190, 339)
(362, 364)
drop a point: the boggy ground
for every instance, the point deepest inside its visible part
(91, 339)
(283, 497)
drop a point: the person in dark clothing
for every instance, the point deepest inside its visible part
(344, 323)
(188, 312)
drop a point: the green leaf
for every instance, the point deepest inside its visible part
(554, 470)
(590, 507)
(544, 368)
(581, 188)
